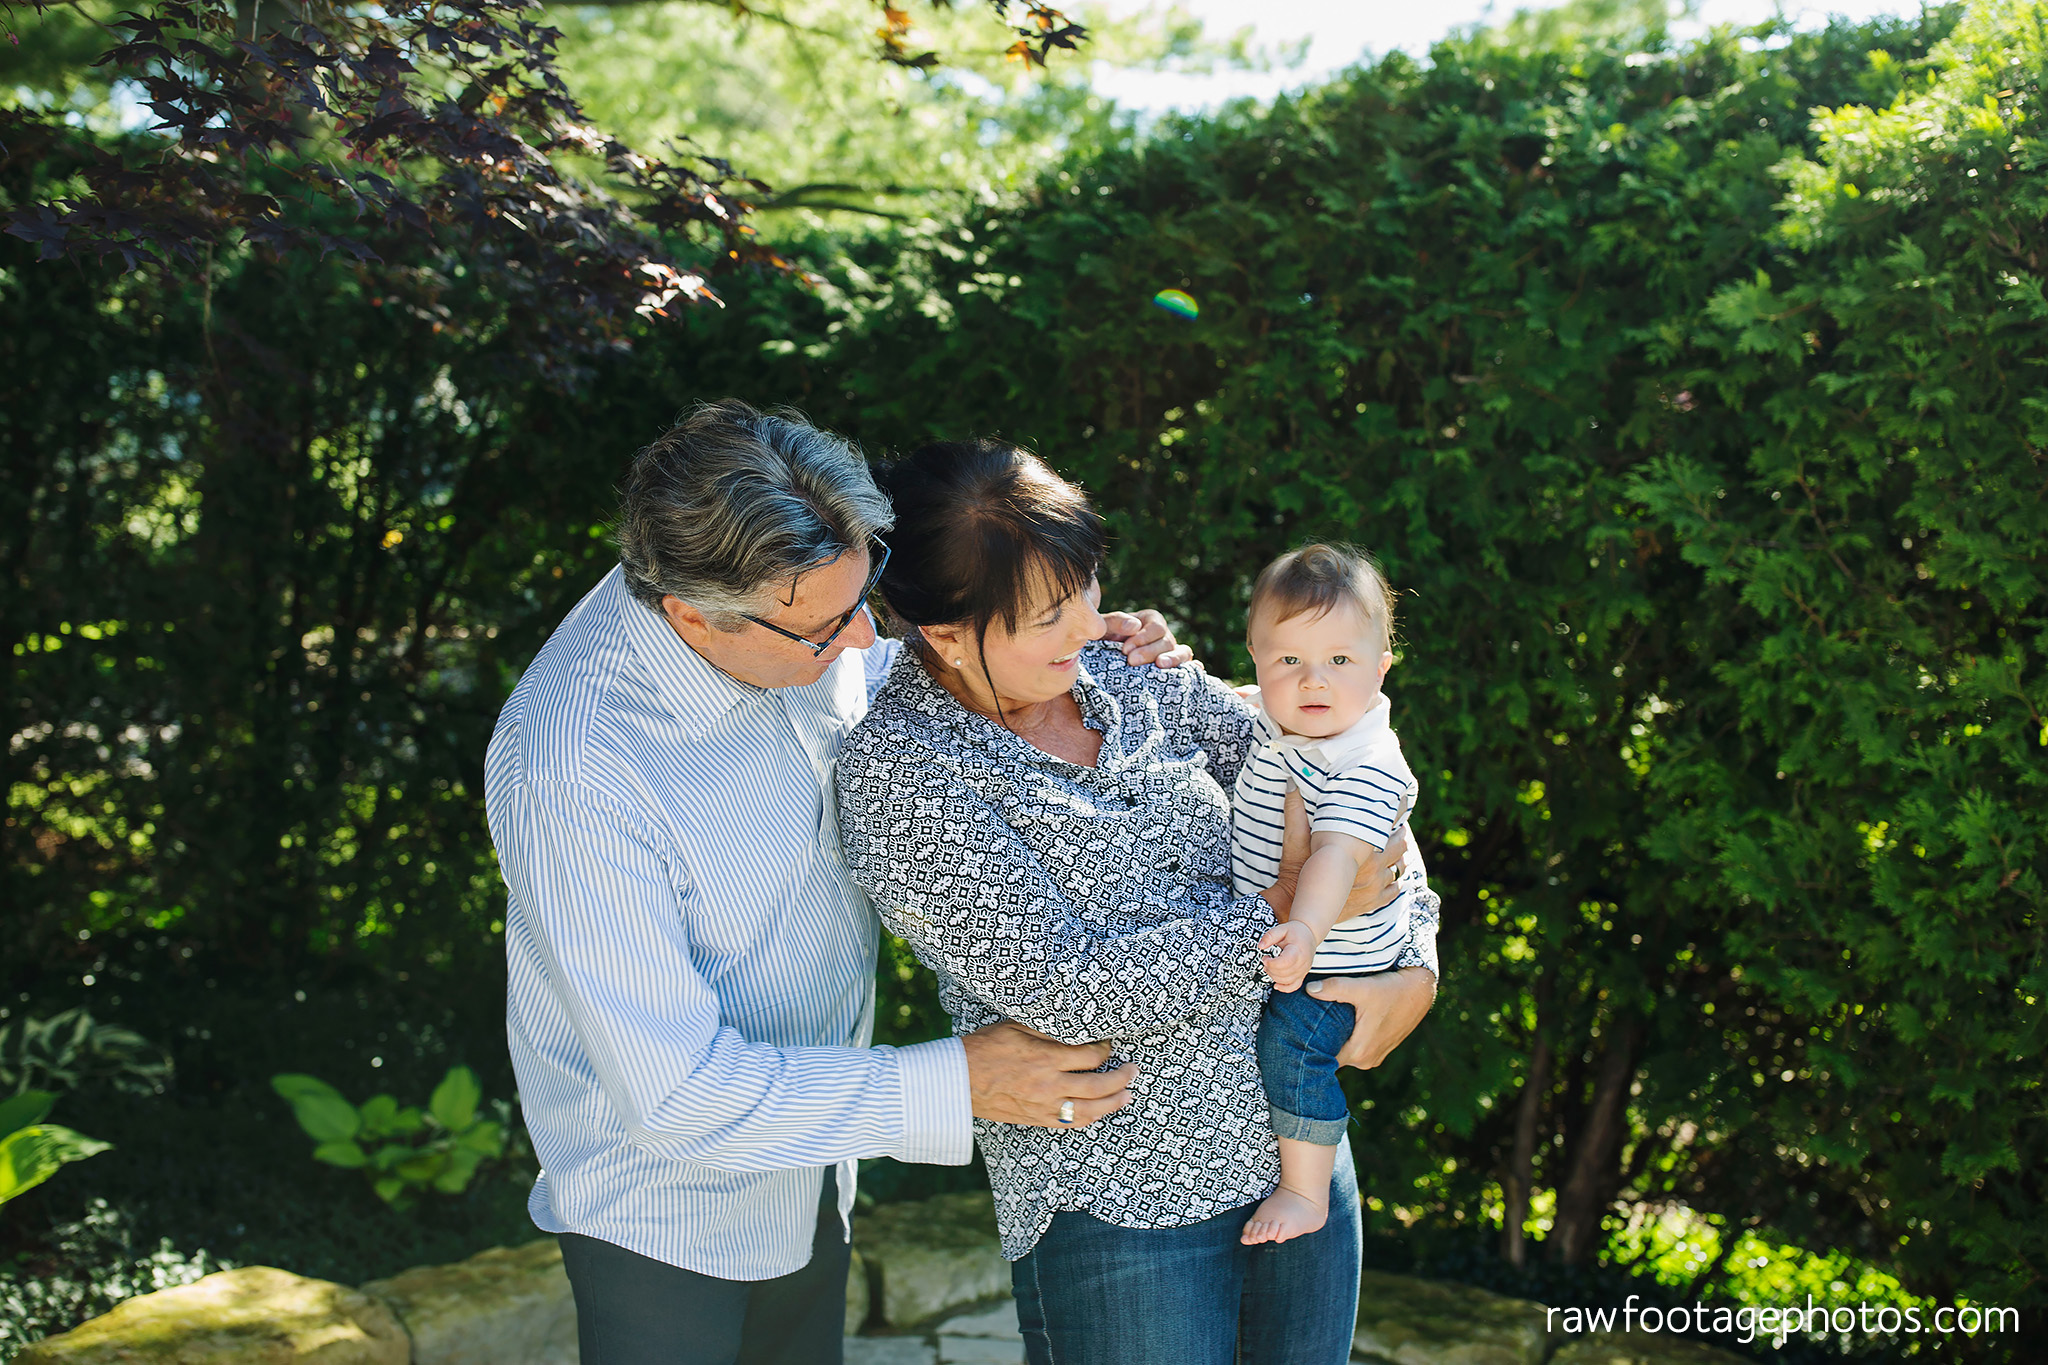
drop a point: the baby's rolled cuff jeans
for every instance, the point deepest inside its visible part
(1299, 1038)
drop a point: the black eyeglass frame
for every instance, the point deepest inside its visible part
(818, 647)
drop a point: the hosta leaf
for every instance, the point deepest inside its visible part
(31, 1155)
(484, 1137)
(31, 1106)
(455, 1098)
(319, 1107)
(345, 1154)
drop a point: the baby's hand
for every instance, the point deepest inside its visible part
(1289, 949)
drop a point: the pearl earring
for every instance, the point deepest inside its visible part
(959, 663)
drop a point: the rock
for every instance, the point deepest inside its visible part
(1642, 1348)
(1426, 1322)
(505, 1306)
(252, 1316)
(928, 1257)
(889, 1351)
(989, 1337)
(1000, 1321)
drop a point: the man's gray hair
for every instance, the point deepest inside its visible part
(729, 505)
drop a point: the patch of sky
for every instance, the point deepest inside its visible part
(1285, 45)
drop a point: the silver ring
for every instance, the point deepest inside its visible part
(1066, 1111)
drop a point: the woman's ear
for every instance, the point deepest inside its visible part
(946, 642)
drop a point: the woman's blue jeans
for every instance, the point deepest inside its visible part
(1093, 1294)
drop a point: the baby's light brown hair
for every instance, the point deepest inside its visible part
(1315, 579)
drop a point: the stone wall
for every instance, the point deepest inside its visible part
(929, 1287)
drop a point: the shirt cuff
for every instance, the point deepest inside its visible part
(1423, 921)
(938, 1110)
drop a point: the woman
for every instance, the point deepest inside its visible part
(1049, 830)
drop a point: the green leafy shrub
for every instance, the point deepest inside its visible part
(403, 1150)
(68, 1049)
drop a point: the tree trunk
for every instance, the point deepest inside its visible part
(1521, 1178)
(1594, 1174)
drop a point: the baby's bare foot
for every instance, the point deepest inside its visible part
(1283, 1216)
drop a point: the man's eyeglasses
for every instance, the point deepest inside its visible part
(817, 647)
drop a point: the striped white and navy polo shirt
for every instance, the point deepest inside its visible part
(1352, 783)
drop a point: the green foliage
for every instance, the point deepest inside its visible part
(1871, 525)
(68, 1049)
(31, 1151)
(402, 1150)
(72, 1049)
(789, 96)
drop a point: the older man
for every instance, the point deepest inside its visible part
(691, 969)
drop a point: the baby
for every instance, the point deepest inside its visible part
(1321, 626)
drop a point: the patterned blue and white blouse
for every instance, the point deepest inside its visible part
(1086, 903)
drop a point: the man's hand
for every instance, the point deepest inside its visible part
(1378, 873)
(1389, 1005)
(1297, 949)
(1018, 1076)
(1144, 638)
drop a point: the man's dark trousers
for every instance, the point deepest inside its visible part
(634, 1310)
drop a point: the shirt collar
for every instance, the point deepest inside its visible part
(1099, 709)
(1338, 751)
(695, 693)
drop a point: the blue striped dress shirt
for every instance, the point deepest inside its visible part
(691, 983)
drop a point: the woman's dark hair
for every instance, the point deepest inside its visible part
(978, 525)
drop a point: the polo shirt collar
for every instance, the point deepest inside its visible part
(1338, 751)
(699, 696)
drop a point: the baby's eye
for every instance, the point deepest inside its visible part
(1340, 658)
(1289, 659)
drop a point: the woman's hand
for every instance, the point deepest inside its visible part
(1144, 638)
(1378, 873)
(1388, 1004)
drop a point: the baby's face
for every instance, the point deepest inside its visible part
(1319, 675)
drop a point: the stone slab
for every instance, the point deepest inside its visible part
(256, 1315)
(505, 1306)
(1408, 1321)
(932, 1257)
(889, 1351)
(999, 1321)
(980, 1351)
(1642, 1348)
